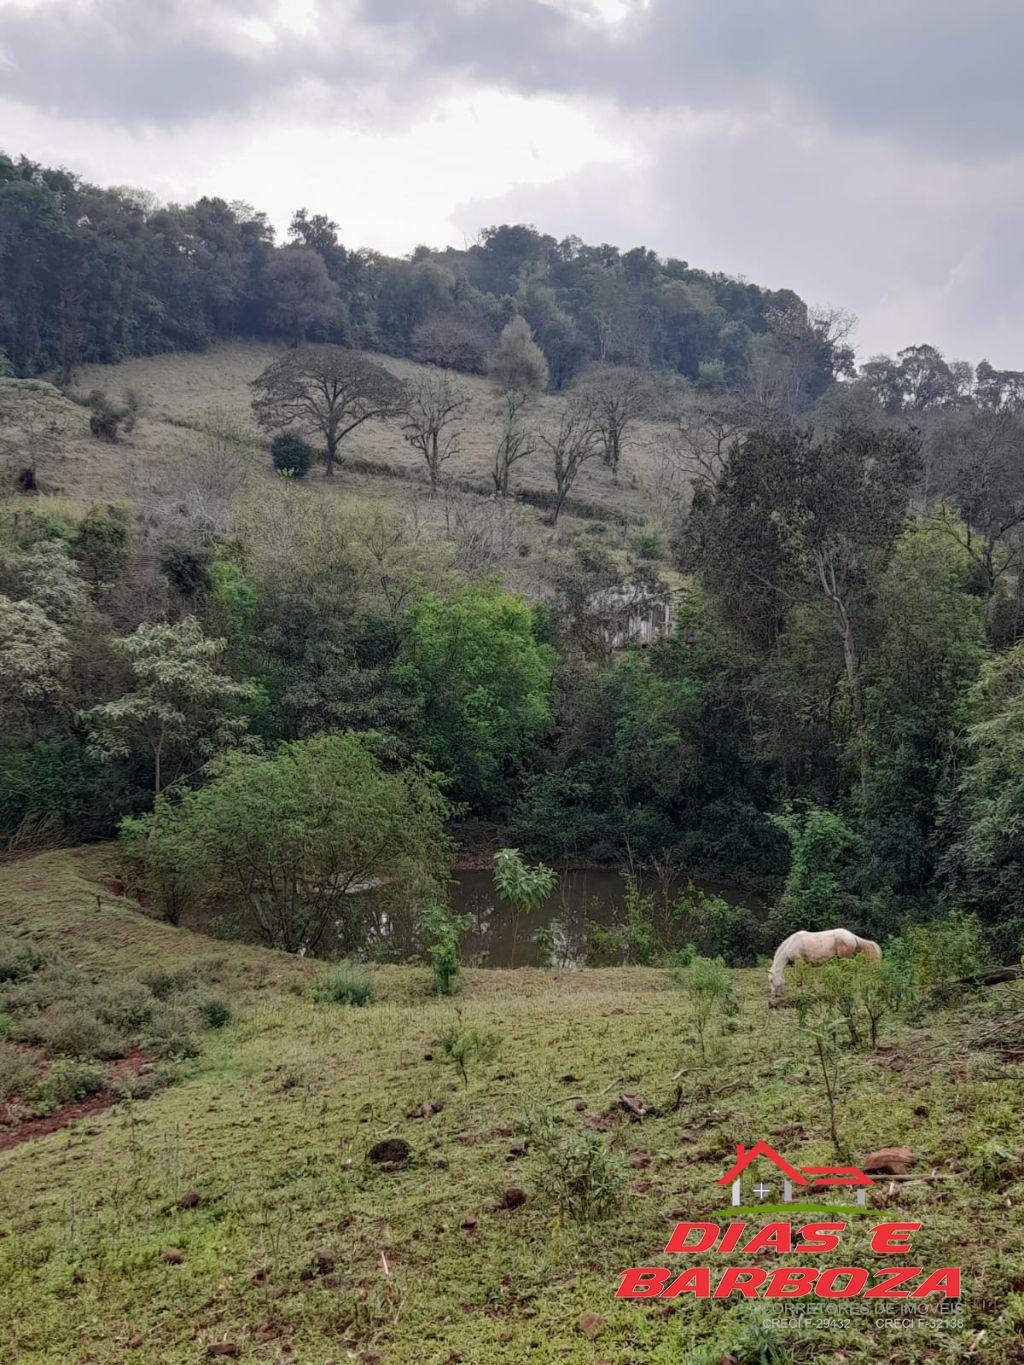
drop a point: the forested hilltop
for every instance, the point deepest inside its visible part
(90, 274)
(318, 512)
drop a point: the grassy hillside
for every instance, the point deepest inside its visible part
(293, 1246)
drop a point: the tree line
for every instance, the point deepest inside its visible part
(99, 274)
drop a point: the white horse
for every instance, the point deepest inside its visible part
(805, 946)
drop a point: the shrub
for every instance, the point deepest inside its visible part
(576, 1172)
(943, 951)
(348, 983)
(721, 929)
(292, 456)
(109, 419)
(141, 1087)
(709, 993)
(78, 1032)
(18, 961)
(171, 1033)
(165, 982)
(604, 946)
(18, 1072)
(464, 1048)
(441, 932)
(214, 1010)
(69, 1081)
(126, 1007)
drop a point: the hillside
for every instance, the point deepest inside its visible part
(147, 467)
(236, 1212)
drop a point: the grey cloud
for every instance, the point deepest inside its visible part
(934, 73)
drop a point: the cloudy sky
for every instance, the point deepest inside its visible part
(868, 153)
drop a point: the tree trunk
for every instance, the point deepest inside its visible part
(332, 451)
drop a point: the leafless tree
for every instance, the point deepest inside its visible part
(575, 440)
(327, 390)
(977, 467)
(615, 396)
(515, 441)
(435, 407)
(702, 436)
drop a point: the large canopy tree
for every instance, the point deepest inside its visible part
(286, 841)
(327, 391)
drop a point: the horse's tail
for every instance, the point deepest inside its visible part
(869, 948)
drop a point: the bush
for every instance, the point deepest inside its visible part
(709, 991)
(70, 1081)
(127, 1007)
(214, 1010)
(109, 419)
(18, 1072)
(171, 1033)
(720, 929)
(165, 982)
(18, 961)
(78, 1032)
(292, 456)
(441, 932)
(604, 946)
(467, 1047)
(943, 951)
(141, 1087)
(576, 1172)
(348, 983)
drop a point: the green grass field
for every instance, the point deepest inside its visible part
(294, 1247)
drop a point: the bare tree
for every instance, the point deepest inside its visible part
(572, 443)
(327, 390)
(703, 436)
(435, 407)
(615, 397)
(515, 442)
(979, 473)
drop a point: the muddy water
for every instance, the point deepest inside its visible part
(587, 894)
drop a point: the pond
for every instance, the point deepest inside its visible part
(581, 895)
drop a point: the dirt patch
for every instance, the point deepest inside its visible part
(16, 1133)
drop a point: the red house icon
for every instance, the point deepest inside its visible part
(793, 1175)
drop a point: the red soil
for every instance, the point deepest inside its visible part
(13, 1132)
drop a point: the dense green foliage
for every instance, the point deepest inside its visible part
(90, 274)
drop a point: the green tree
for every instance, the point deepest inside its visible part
(284, 841)
(525, 888)
(482, 682)
(327, 390)
(517, 362)
(34, 659)
(823, 852)
(181, 711)
(301, 297)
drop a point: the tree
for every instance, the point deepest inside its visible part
(435, 407)
(517, 362)
(301, 297)
(327, 390)
(525, 888)
(481, 680)
(182, 709)
(572, 443)
(34, 659)
(515, 440)
(291, 455)
(800, 522)
(101, 544)
(615, 397)
(285, 840)
(978, 473)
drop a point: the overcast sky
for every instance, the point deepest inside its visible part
(867, 153)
